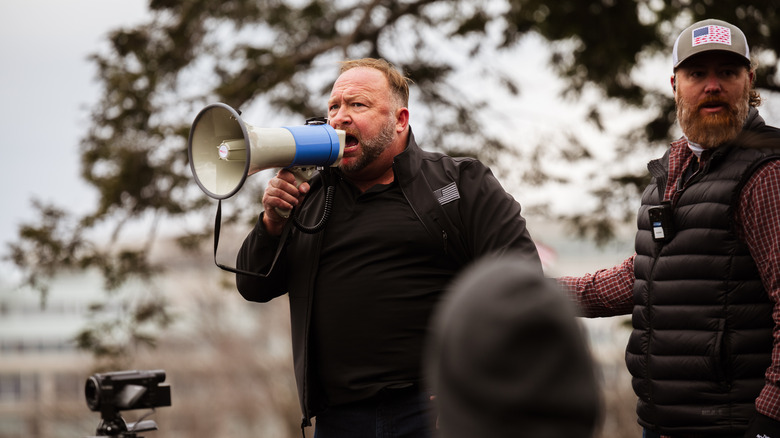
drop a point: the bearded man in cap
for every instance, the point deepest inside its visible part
(703, 287)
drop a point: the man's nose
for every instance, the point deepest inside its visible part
(712, 84)
(340, 117)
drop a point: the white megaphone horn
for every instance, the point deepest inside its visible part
(223, 150)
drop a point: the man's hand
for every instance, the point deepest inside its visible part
(281, 193)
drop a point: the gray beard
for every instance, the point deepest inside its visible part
(372, 148)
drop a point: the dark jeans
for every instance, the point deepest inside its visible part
(394, 413)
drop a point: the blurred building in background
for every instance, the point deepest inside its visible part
(42, 374)
(228, 361)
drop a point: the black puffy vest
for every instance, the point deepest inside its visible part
(702, 320)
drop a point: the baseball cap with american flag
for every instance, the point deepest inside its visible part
(708, 35)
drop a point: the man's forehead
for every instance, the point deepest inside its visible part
(352, 90)
(360, 80)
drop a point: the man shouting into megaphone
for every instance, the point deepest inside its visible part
(403, 223)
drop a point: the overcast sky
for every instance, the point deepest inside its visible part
(47, 85)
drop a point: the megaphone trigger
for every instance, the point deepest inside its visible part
(302, 174)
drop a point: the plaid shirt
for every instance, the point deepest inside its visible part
(609, 292)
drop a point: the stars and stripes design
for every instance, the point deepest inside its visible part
(711, 34)
(447, 193)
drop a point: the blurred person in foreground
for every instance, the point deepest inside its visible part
(703, 287)
(403, 223)
(508, 358)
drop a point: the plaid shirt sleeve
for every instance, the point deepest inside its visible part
(607, 292)
(758, 224)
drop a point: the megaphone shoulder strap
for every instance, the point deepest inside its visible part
(218, 226)
(328, 203)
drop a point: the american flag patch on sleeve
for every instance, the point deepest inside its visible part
(447, 193)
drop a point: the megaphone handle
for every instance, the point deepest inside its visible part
(302, 174)
(218, 226)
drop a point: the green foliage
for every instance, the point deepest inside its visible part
(46, 248)
(156, 75)
(115, 331)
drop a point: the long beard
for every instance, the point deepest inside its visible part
(371, 148)
(711, 130)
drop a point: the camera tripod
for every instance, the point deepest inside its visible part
(113, 425)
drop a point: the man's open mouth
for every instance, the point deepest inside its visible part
(713, 105)
(350, 141)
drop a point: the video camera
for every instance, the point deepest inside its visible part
(110, 393)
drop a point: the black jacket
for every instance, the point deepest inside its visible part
(479, 219)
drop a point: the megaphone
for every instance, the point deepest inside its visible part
(224, 150)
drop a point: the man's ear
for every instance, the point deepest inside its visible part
(401, 119)
(674, 84)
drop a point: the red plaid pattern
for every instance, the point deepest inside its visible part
(760, 229)
(609, 292)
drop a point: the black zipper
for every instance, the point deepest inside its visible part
(444, 236)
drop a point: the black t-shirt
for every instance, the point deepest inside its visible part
(380, 275)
